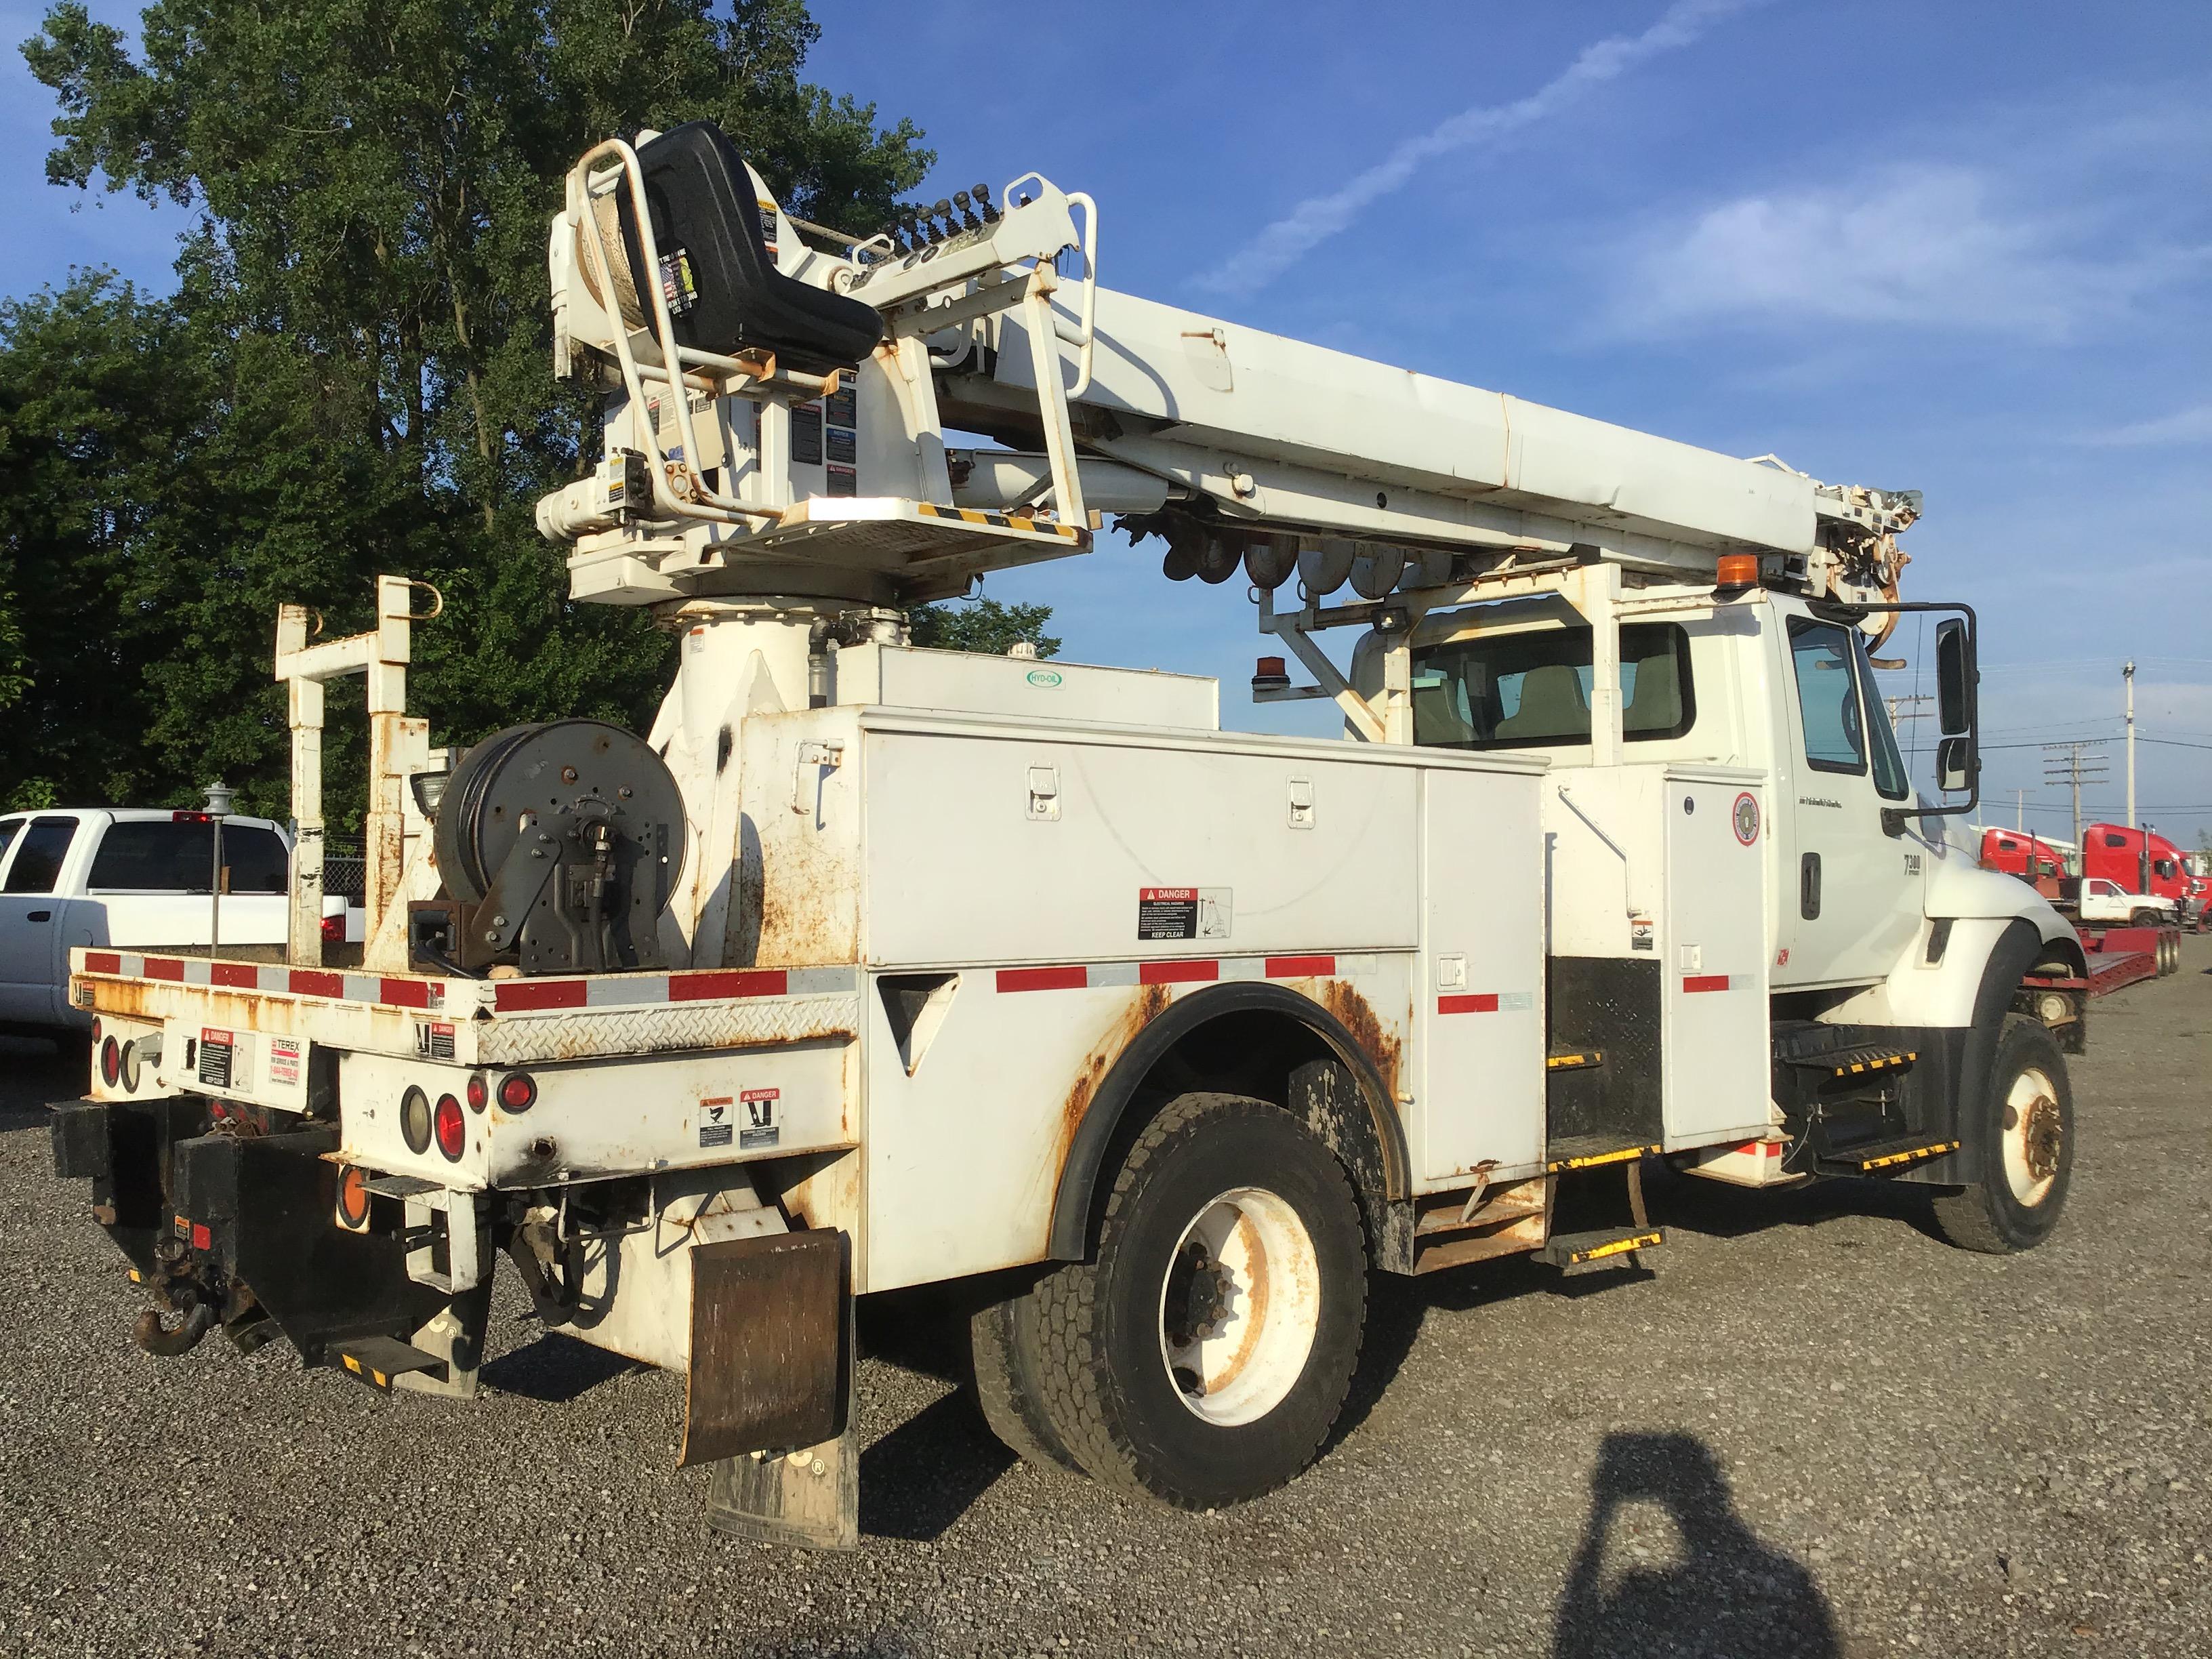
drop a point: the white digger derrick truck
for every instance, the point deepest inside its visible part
(871, 966)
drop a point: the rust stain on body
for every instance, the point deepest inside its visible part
(1146, 1005)
(1377, 1041)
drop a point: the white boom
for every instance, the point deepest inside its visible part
(1216, 435)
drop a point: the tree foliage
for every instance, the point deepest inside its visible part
(983, 625)
(354, 375)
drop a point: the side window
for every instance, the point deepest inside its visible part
(1890, 781)
(9, 828)
(255, 859)
(38, 863)
(1533, 690)
(1827, 697)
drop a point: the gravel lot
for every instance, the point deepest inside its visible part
(1810, 1429)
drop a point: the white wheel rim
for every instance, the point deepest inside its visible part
(2034, 1137)
(1240, 1303)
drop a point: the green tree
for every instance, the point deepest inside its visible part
(983, 625)
(354, 375)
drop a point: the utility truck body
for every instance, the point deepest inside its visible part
(869, 967)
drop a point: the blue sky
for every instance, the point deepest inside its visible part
(1946, 246)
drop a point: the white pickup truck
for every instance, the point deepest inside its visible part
(135, 877)
(2100, 899)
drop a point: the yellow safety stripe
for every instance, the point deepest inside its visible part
(1572, 1062)
(1617, 1247)
(1916, 1154)
(1620, 1156)
(1000, 520)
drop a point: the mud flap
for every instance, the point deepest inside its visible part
(769, 1397)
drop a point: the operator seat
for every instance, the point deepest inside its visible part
(724, 293)
(1552, 708)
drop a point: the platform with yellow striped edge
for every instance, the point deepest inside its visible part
(1581, 1250)
(378, 1360)
(926, 548)
(1884, 1157)
(1591, 1153)
(1575, 1061)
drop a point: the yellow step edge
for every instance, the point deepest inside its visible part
(1592, 1162)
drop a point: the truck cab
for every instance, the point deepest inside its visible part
(76, 879)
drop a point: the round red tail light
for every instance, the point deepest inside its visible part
(111, 1061)
(452, 1129)
(414, 1120)
(517, 1092)
(96, 1028)
(478, 1092)
(353, 1196)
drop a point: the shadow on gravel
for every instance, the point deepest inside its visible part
(32, 1074)
(1718, 1210)
(921, 1476)
(1719, 1592)
(555, 1369)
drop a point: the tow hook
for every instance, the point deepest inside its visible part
(156, 1338)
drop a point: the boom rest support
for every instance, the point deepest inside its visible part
(724, 293)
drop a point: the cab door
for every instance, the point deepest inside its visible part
(32, 983)
(1851, 897)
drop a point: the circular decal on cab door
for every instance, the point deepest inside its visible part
(1745, 816)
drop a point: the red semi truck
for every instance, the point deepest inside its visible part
(2017, 853)
(2141, 861)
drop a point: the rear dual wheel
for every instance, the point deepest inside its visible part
(1201, 1357)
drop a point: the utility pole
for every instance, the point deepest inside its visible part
(2128, 673)
(2020, 809)
(2075, 764)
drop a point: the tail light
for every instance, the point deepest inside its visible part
(334, 930)
(478, 1092)
(111, 1061)
(414, 1120)
(517, 1092)
(452, 1129)
(96, 1028)
(353, 1198)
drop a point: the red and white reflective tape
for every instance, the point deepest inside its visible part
(518, 996)
(1486, 1002)
(1179, 971)
(509, 996)
(383, 988)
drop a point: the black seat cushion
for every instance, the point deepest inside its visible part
(724, 291)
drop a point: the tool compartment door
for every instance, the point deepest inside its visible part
(1479, 1015)
(1713, 1008)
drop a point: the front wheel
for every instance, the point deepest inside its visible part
(2023, 1127)
(1202, 1357)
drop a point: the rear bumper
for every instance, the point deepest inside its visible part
(243, 1224)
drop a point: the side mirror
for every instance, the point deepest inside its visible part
(1955, 765)
(1955, 679)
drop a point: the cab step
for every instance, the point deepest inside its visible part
(1857, 1059)
(1568, 1250)
(376, 1360)
(1589, 1152)
(1879, 1157)
(1574, 1060)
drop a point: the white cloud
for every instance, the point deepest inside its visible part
(1314, 220)
(2184, 426)
(1927, 243)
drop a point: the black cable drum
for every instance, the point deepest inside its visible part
(565, 840)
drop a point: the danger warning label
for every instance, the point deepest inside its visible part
(1165, 912)
(759, 1127)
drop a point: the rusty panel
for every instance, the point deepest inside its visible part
(768, 1336)
(796, 885)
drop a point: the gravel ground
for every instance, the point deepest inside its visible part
(1809, 1429)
